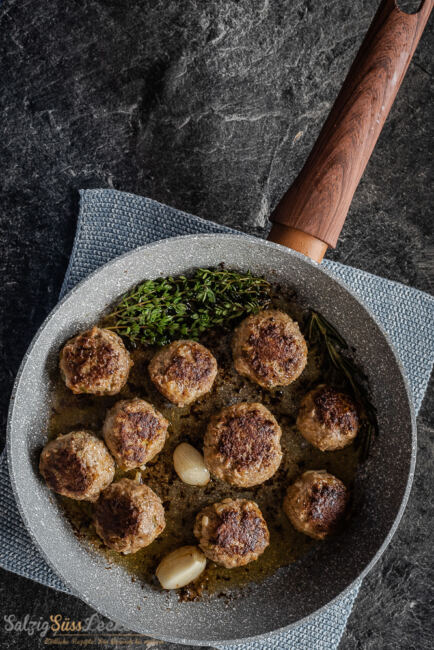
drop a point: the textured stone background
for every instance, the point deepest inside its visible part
(211, 107)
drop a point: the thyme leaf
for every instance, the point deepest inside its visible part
(160, 311)
(321, 332)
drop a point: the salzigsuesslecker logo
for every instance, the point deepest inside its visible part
(59, 624)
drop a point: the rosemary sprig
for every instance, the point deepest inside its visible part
(321, 332)
(162, 310)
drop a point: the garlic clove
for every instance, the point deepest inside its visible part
(190, 465)
(180, 567)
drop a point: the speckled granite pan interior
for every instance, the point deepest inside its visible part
(292, 593)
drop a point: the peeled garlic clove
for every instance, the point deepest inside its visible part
(180, 567)
(190, 465)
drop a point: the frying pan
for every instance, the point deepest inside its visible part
(308, 219)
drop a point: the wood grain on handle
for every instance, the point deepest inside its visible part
(317, 203)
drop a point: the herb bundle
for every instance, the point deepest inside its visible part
(160, 311)
(321, 332)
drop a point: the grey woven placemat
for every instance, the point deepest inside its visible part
(111, 223)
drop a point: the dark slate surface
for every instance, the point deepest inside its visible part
(211, 107)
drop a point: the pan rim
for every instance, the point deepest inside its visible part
(259, 242)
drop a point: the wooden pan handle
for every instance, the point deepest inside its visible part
(311, 214)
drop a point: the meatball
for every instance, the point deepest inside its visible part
(77, 465)
(232, 533)
(316, 503)
(95, 361)
(242, 444)
(134, 432)
(269, 349)
(328, 419)
(128, 516)
(183, 371)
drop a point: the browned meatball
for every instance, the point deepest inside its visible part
(77, 465)
(134, 432)
(316, 503)
(183, 371)
(128, 516)
(242, 444)
(269, 349)
(232, 533)
(328, 419)
(95, 362)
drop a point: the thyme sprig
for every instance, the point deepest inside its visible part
(162, 310)
(321, 332)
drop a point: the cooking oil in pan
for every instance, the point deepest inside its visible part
(182, 502)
